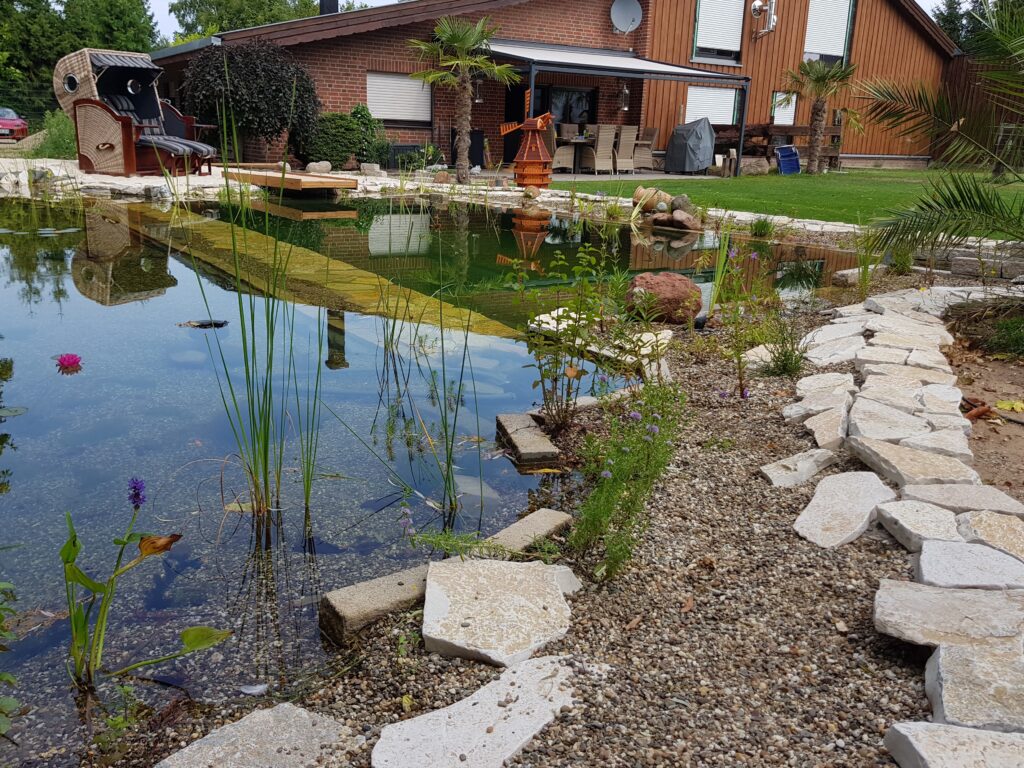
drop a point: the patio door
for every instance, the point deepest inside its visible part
(515, 111)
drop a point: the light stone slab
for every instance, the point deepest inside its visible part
(832, 332)
(825, 381)
(852, 310)
(932, 404)
(933, 745)
(485, 730)
(904, 326)
(870, 418)
(900, 398)
(903, 341)
(967, 566)
(923, 375)
(909, 466)
(815, 403)
(837, 351)
(757, 356)
(842, 508)
(799, 468)
(926, 615)
(945, 392)
(922, 358)
(965, 498)
(977, 687)
(874, 355)
(948, 442)
(999, 531)
(495, 611)
(284, 736)
(939, 421)
(911, 523)
(829, 428)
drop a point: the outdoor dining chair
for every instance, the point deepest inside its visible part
(623, 153)
(643, 155)
(600, 157)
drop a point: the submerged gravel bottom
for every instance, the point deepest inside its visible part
(729, 641)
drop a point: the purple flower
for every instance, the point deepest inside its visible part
(603, 378)
(635, 415)
(733, 253)
(723, 394)
(606, 474)
(609, 461)
(648, 439)
(136, 492)
(754, 256)
(653, 429)
(745, 393)
(656, 416)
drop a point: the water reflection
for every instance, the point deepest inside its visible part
(6, 444)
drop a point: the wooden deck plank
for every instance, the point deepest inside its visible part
(292, 181)
(297, 214)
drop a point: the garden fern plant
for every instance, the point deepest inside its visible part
(963, 204)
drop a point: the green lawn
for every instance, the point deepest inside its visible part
(856, 196)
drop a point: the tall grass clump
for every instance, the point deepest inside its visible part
(785, 348)
(59, 142)
(624, 466)
(762, 227)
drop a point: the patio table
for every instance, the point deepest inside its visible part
(577, 142)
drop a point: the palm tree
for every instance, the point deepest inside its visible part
(459, 52)
(965, 131)
(820, 82)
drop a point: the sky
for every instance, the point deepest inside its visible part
(168, 26)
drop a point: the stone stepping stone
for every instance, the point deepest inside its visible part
(923, 375)
(904, 326)
(815, 403)
(947, 421)
(827, 333)
(923, 358)
(852, 310)
(825, 381)
(943, 392)
(829, 428)
(947, 442)
(912, 523)
(903, 341)
(1002, 532)
(933, 404)
(842, 508)
(902, 399)
(284, 736)
(495, 611)
(875, 355)
(527, 440)
(967, 566)
(932, 745)
(870, 418)
(934, 616)
(485, 730)
(909, 466)
(799, 468)
(836, 351)
(977, 687)
(964, 498)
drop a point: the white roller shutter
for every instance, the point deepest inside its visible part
(397, 97)
(716, 104)
(720, 24)
(783, 114)
(400, 234)
(827, 24)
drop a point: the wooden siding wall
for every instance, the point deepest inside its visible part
(885, 44)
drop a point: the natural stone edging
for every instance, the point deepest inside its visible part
(345, 611)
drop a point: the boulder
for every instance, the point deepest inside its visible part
(909, 466)
(755, 166)
(799, 468)
(925, 615)
(485, 730)
(676, 299)
(977, 687)
(442, 177)
(531, 192)
(1002, 532)
(957, 565)
(687, 221)
(912, 523)
(662, 220)
(320, 166)
(495, 611)
(965, 498)
(281, 164)
(842, 508)
(933, 745)
(682, 203)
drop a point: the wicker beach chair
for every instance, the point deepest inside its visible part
(623, 154)
(600, 157)
(122, 126)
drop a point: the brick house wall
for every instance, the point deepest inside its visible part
(339, 67)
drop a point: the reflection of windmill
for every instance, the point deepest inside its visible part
(529, 228)
(533, 161)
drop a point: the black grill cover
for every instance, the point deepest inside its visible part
(691, 149)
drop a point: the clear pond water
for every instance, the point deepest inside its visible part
(113, 284)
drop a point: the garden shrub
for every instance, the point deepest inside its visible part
(373, 145)
(1008, 336)
(901, 260)
(336, 139)
(59, 141)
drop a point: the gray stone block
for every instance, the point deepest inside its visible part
(526, 439)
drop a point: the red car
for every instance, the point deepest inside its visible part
(12, 126)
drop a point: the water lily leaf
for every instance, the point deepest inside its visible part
(10, 413)
(9, 704)
(1013, 406)
(200, 638)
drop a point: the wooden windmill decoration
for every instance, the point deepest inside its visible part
(533, 161)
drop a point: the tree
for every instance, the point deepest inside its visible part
(965, 132)
(256, 89)
(950, 18)
(34, 37)
(821, 82)
(208, 17)
(123, 25)
(459, 52)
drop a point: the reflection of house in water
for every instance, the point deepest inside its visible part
(112, 266)
(335, 340)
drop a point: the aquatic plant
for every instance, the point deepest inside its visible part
(69, 364)
(867, 260)
(88, 637)
(9, 706)
(762, 227)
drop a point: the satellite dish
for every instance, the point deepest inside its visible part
(626, 15)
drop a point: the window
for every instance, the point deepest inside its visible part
(716, 104)
(397, 98)
(828, 27)
(573, 105)
(783, 114)
(719, 29)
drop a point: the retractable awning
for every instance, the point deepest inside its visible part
(604, 62)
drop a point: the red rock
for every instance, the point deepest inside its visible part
(677, 299)
(687, 221)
